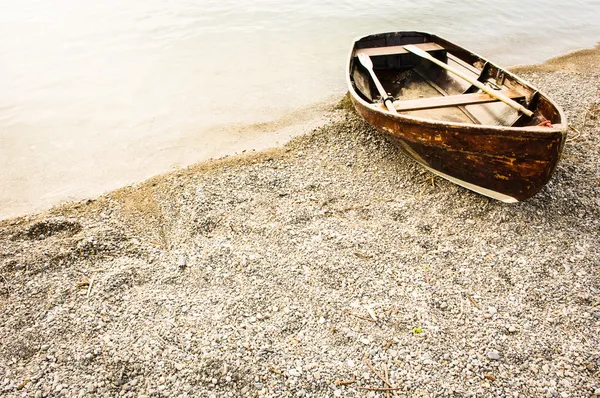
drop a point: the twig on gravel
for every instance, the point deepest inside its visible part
(364, 318)
(345, 382)
(387, 377)
(376, 373)
(388, 389)
(90, 287)
(472, 300)
(273, 369)
(388, 344)
(83, 283)
(575, 137)
(362, 256)
(355, 207)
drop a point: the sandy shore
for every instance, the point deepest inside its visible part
(315, 269)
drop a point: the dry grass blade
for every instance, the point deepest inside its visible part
(345, 382)
(364, 318)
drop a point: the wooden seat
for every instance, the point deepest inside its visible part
(452, 100)
(393, 50)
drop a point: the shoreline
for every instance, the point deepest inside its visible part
(241, 137)
(230, 139)
(296, 271)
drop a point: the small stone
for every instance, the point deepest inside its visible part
(38, 394)
(59, 388)
(182, 262)
(490, 377)
(90, 387)
(294, 372)
(512, 329)
(178, 366)
(493, 355)
(322, 320)
(45, 347)
(492, 310)
(337, 393)
(590, 366)
(545, 368)
(597, 392)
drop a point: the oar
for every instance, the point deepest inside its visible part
(365, 60)
(475, 82)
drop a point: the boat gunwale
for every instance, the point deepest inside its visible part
(472, 127)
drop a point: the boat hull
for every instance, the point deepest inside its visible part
(506, 163)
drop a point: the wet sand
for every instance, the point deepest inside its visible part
(315, 269)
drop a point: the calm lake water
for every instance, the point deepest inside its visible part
(96, 95)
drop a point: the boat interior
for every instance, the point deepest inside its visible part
(423, 89)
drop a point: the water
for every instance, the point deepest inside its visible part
(95, 95)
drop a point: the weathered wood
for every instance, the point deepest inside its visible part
(451, 100)
(417, 51)
(365, 60)
(506, 162)
(395, 50)
(445, 94)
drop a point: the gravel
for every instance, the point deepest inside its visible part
(308, 271)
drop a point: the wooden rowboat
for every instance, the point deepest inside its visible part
(459, 115)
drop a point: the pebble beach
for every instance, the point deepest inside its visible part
(330, 267)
